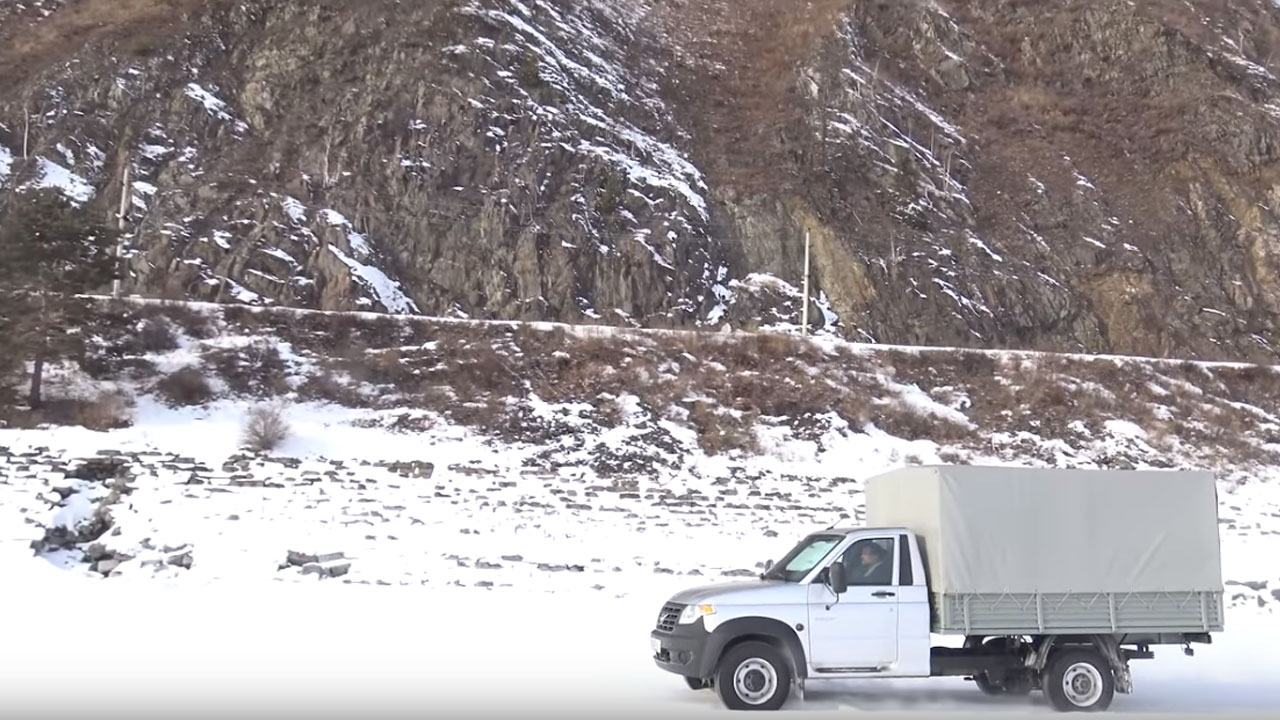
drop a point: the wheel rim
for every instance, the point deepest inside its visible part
(755, 681)
(1082, 684)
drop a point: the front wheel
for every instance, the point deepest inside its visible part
(753, 676)
(1080, 681)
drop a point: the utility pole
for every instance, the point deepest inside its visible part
(124, 207)
(805, 310)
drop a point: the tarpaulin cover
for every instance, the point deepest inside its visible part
(1022, 530)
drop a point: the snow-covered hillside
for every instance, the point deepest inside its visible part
(442, 453)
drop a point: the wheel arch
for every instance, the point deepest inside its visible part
(756, 629)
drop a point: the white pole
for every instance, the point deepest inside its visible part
(805, 315)
(124, 206)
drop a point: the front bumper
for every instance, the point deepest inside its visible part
(682, 651)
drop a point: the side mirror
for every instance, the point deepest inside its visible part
(839, 583)
(768, 565)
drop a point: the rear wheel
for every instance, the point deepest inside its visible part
(753, 676)
(1079, 681)
(1014, 682)
(1006, 682)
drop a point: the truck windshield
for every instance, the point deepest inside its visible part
(803, 558)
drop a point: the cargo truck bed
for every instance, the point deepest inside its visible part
(1028, 551)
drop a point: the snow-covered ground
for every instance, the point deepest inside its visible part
(142, 649)
(477, 587)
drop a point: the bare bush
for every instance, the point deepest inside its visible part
(257, 368)
(108, 411)
(265, 427)
(156, 334)
(185, 387)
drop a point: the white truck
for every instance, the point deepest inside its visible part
(1049, 580)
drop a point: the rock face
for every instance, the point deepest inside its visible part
(1097, 176)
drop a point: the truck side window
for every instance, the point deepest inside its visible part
(905, 577)
(870, 562)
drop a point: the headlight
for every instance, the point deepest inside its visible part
(693, 612)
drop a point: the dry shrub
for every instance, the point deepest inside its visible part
(325, 386)
(176, 315)
(387, 367)
(1042, 390)
(701, 345)
(1253, 384)
(157, 335)
(491, 371)
(666, 392)
(265, 427)
(108, 411)
(185, 387)
(906, 422)
(383, 331)
(778, 346)
(912, 423)
(610, 411)
(855, 408)
(977, 365)
(488, 414)
(720, 432)
(249, 318)
(255, 369)
(1109, 374)
(599, 349)
(334, 330)
(531, 339)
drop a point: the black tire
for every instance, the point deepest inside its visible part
(696, 683)
(1019, 683)
(1011, 682)
(986, 686)
(760, 667)
(1079, 681)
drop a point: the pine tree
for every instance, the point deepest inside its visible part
(50, 251)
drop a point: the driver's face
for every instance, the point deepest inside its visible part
(868, 556)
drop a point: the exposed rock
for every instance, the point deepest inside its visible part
(989, 167)
(298, 559)
(326, 571)
(1251, 584)
(415, 468)
(96, 552)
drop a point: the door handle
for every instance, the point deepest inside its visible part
(882, 594)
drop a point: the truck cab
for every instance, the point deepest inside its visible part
(844, 603)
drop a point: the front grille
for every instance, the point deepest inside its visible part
(669, 616)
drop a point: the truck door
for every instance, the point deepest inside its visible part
(858, 631)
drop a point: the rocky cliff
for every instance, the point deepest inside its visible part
(1098, 176)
